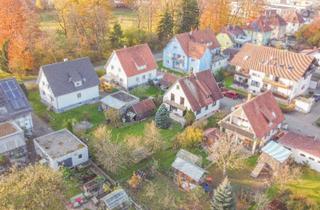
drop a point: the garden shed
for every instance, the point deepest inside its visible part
(120, 101)
(141, 110)
(272, 158)
(187, 174)
(117, 199)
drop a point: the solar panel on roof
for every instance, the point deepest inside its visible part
(5, 86)
(12, 84)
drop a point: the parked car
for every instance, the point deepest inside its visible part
(316, 97)
(231, 94)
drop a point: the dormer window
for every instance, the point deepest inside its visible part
(209, 43)
(142, 67)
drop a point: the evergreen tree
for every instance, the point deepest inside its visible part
(189, 16)
(162, 118)
(165, 27)
(116, 36)
(223, 198)
(4, 58)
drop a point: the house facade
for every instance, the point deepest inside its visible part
(236, 34)
(131, 67)
(14, 105)
(61, 148)
(68, 84)
(255, 122)
(294, 21)
(286, 74)
(225, 40)
(305, 149)
(276, 23)
(194, 51)
(198, 93)
(12, 139)
(259, 32)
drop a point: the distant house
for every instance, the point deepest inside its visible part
(315, 79)
(236, 35)
(276, 22)
(12, 141)
(305, 149)
(254, 122)
(198, 93)
(131, 66)
(294, 21)
(194, 51)
(119, 101)
(69, 84)
(286, 74)
(141, 110)
(61, 148)
(225, 40)
(259, 31)
(14, 105)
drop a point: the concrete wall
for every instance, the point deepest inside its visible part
(12, 141)
(25, 122)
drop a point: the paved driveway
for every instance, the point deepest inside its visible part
(305, 123)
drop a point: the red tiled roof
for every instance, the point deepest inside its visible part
(194, 43)
(133, 58)
(293, 17)
(272, 61)
(200, 89)
(263, 113)
(144, 106)
(168, 79)
(258, 25)
(304, 143)
(233, 30)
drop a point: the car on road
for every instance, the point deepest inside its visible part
(231, 94)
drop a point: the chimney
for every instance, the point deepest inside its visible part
(65, 59)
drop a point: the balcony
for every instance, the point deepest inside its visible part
(276, 83)
(241, 84)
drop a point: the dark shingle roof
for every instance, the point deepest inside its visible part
(61, 76)
(13, 101)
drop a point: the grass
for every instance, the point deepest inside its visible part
(164, 69)
(72, 187)
(214, 119)
(59, 120)
(228, 81)
(146, 91)
(125, 17)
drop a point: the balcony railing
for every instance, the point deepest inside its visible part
(241, 84)
(276, 83)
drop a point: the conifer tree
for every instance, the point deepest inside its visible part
(162, 118)
(189, 16)
(165, 26)
(223, 198)
(116, 36)
(4, 57)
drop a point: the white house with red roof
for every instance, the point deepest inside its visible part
(194, 51)
(305, 149)
(260, 68)
(255, 122)
(259, 31)
(198, 93)
(294, 21)
(131, 66)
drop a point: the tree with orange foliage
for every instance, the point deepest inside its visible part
(19, 26)
(215, 15)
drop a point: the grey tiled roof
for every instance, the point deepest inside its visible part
(13, 102)
(61, 76)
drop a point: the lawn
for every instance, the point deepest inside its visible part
(164, 69)
(59, 120)
(125, 17)
(146, 91)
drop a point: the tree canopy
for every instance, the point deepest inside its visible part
(189, 15)
(223, 198)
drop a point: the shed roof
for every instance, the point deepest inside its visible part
(189, 169)
(144, 106)
(277, 151)
(188, 156)
(119, 100)
(115, 199)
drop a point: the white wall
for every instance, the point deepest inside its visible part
(177, 94)
(141, 78)
(46, 93)
(25, 122)
(12, 142)
(206, 113)
(314, 164)
(76, 160)
(114, 71)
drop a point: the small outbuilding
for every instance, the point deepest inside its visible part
(187, 174)
(273, 157)
(119, 100)
(61, 148)
(117, 199)
(12, 141)
(141, 110)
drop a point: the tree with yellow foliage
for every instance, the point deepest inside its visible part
(191, 136)
(34, 187)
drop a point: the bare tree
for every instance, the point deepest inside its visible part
(285, 175)
(114, 117)
(261, 201)
(227, 153)
(112, 155)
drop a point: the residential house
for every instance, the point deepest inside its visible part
(294, 21)
(286, 74)
(305, 149)
(315, 79)
(198, 92)
(258, 31)
(12, 141)
(131, 66)
(236, 34)
(194, 51)
(225, 40)
(61, 148)
(68, 84)
(14, 105)
(276, 23)
(167, 79)
(254, 122)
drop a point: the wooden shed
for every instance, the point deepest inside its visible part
(141, 110)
